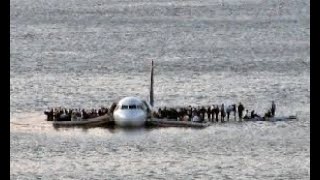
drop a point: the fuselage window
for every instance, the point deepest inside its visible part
(132, 106)
(124, 107)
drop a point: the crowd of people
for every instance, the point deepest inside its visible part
(211, 113)
(63, 114)
(190, 113)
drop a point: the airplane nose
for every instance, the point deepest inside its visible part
(130, 118)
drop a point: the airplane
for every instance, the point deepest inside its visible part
(134, 111)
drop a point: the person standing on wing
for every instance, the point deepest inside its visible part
(223, 113)
(217, 112)
(273, 109)
(234, 111)
(209, 113)
(240, 110)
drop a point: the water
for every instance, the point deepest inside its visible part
(85, 54)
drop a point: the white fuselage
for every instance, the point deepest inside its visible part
(130, 111)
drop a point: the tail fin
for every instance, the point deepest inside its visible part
(151, 86)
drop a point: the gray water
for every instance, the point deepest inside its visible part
(87, 54)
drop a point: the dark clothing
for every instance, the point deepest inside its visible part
(223, 114)
(222, 117)
(209, 113)
(273, 109)
(159, 113)
(189, 111)
(213, 112)
(240, 110)
(234, 111)
(217, 113)
(57, 116)
(252, 114)
(202, 113)
(240, 114)
(273, 112)
(49, 115)
(228, 115)
(164, 113)
(268, 114)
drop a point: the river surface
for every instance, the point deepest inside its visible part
(87, 54)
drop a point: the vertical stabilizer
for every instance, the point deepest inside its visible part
(151, 86)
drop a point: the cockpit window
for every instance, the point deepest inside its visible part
(133, 106)
(124, 107)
